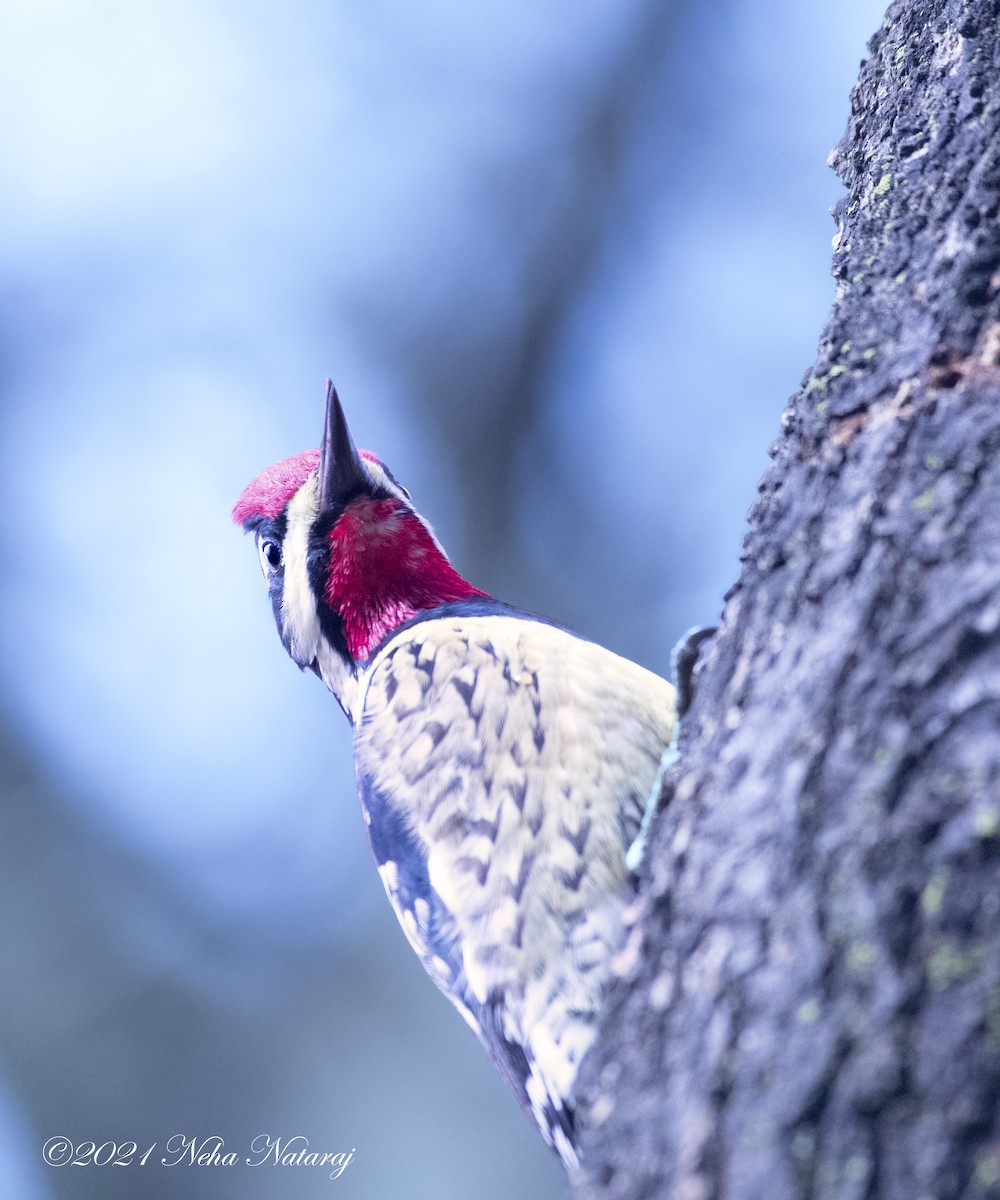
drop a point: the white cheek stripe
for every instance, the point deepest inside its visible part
(298, 607)
(300, 620)
(378, 476)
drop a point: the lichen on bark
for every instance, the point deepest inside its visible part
(809, 1004)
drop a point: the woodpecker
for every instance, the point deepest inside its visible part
(503, 763)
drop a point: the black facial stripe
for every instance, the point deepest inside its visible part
(272, 529)
(276, 590)
(317, 557)
(389, 475)
(269, 528)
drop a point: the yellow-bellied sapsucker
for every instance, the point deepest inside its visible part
(503, 763)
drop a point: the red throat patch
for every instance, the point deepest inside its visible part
(385, 567)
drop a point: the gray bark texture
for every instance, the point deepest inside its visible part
(809, 1003)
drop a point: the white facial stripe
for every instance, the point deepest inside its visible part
(381, 479)
(298, 604)
(299, 616)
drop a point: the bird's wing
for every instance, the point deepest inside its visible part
(432, 930)
(504, 766)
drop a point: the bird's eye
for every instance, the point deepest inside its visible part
(270, 556)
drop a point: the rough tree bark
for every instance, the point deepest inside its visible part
(809, 1005)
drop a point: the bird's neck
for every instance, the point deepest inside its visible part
(386, 567)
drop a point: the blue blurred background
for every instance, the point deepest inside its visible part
(565, 262)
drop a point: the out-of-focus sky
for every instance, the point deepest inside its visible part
(565, 263)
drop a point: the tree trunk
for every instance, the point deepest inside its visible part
(809, 1004)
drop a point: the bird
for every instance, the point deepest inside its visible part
(504, 763)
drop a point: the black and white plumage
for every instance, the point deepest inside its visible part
(503, 763)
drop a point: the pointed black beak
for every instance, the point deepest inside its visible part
(342, 475)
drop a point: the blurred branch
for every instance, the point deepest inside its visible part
(571, 218)
(810, 999)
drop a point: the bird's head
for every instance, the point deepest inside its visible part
(345, 555)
